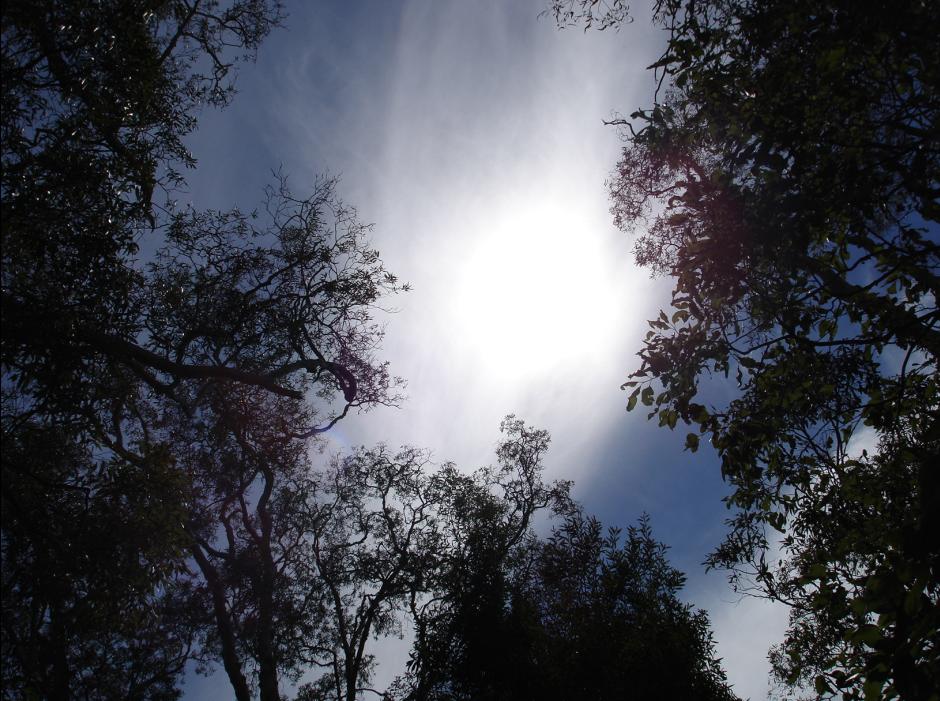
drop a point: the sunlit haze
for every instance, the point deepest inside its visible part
(534, 293)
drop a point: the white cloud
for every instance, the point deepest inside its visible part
(745, 628)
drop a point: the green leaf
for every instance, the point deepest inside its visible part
(691, 442)
(867, 634)
(699, 413)
(912, 603)
(872, 689)
(680, 315)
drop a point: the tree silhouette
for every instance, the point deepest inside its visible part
(785, 179)
(300, 569)
(91, 564)
(486, 522)
(120, 376)
(578, 615)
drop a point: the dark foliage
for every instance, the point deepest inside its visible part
(581, 615)
(133, 392)
(97, 98)
(159, 505)
(91, 555)
(786, 180)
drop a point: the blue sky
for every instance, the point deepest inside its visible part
(472, 135)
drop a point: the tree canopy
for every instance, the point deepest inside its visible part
(785, 178)
(581, 614)
(133, 389)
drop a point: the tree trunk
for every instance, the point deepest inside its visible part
(224, 624)
(60, 662)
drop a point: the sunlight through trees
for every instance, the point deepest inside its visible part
(170, 376)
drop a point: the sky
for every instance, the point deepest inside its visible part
(471, 134)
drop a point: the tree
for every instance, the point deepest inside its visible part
(132, 368)
(243, 319)
(97, 98)
(90, 573)
(577, 615)
(244, 539)
(302, 568)
(486, 523)
(610, 607)
(580, 615)
(786, 181)
(376, 543)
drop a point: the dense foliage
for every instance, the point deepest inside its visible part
(84, 541)
(786, 179)
(582, 614)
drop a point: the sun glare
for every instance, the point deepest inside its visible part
(535, 293)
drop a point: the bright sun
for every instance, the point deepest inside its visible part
(535, 293)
